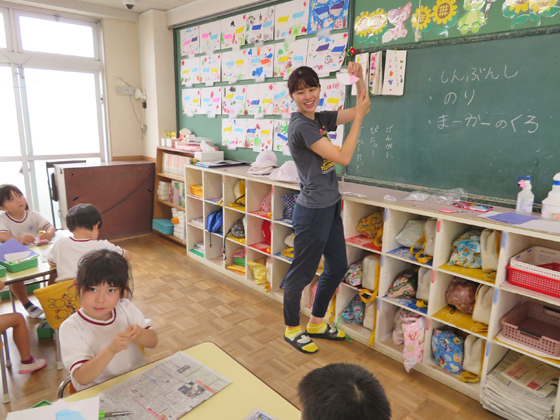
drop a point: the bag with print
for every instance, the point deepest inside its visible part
(411, 234)
(354, 312)
(354, 274)
(289, 201)
(461, 294)
(372, 227)
(413, 329)
(448, 350)
(404, 285)
(266, 203)
(238, 229)
(467, 250)
(398, 319)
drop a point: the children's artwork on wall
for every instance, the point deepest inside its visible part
(363, 60)
(327, 14)
(189, 41)
(288, 56)
(211, 100)
(233, 99)
(191, 101)
(227, 131)
(210, 68)
(397, 17)
(474, 18)
(326, 54)
(445, 13)
(252, 100)
(238, 133)
(280, 135)
(291, 18)
(279, 97)
(233, 31)
(210, 34)
(260, 25)
(395, 68)
(422, 21)
(336, 137)
(261, 61)
(259, 134)
(370, 27)
(190, 71)
(376, 73)
(235, 66)
(332, 96)
(266, 94)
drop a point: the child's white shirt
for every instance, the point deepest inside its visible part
(82, 338)
(31, 223)
(67, 252)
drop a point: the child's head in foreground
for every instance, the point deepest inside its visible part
(7, 193)
(342, 391)
(84, 216)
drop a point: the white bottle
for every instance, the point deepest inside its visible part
(525, 198)
(551, 204)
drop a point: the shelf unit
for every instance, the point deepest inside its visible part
(162, 209)
(394, 260)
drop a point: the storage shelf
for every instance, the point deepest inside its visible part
(170, 176)
(406, 304)
(508, 287)
(403, 254)
(170, 237)
(364, 243)
(170, 204)
(552, 362)
(457, 319)
(473, 274)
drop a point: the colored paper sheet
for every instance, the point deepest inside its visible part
(288, 56)
(395, 68)
(210, 68)
(513, 218)
(233, 31)
(235, 66)
(280, 135)
(281, 102)
(233, 99)
(190, 71)
(191, 101)
(260, 25)
(332, 96)
(238, 133)
(291, 19)
(261, 61)
(252, 100)
(363, 60)
(211, 100)
(12, 246)
(189, 41)
(327, 14)
(337, 137)
(259, 134)
(210, 34)
(326, 54)
(227, 131)
(376, 73)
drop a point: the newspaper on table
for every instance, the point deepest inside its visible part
(168, 390)
(510, 400)
(258, 414)
(533, 375)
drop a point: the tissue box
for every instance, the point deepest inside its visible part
(209, 156)
(24, 265)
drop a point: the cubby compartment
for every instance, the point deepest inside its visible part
(280, 269)
(195, 241)
(193, 177)
(352, 214)
(384, 329)
(231, 217)
(254, 235)
(234, 186)
(253, 255)
(212, 187)
(256, 192)
(213, 248)
(230, 249)
(391, 269)
(345, 295)
(195, 213)
(278, 204)
(395, 221)
(278, 241)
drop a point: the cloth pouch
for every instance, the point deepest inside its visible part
(354, 274)
(448, 349)
(372, 227)
(371, 269)
(466, 250)
(461, 294)
(289, 201)
(354, 312)
(398, 319)
(489, 249)
(424, 281)
(483, 304)
(472, 360)
(369, 315)
(258, 269)
(266, 203)
(404, 285)
(410, 235)
(414, 330)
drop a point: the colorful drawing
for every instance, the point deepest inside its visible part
(279, 97)
(238, 133)
(259, 134)
(332, 96)
(211, 100)
(235, 66)
(260, 25)
(233, 31)
(291, 18)
(519, 11)
(280, 135)
(189, 41)
(288, 57)
(473, 19)
(395, 68)
(191, 101)
(227, 131)
(190, 71)
(326, 54)
(422, 21)
(210, 34)
(233, 100)
(376, 73)
(327, 14)
(371, 26)
(336, 137)
(445, 13)
(261, 61)
(397, 17)
(363, 60)
(210, 68)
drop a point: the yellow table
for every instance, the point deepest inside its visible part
(245, 393)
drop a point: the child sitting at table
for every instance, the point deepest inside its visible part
(342, 391)
(20, 335)
(84, 221)
(23, 225)
(104, 338)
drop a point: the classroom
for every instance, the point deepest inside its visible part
(184, 123)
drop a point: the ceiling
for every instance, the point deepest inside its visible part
(141, 5)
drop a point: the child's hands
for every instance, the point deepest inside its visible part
(46, 236)
(27, 239)
(355, 69)
(133, 331)
(120, 342)
(362, 105)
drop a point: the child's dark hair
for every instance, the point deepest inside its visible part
(83, 216)
(104, 266)
(342, 391)
(6, 191)
(301, 78)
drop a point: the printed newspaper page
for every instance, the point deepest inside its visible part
(258, 414)
(166, 391)
(533, 375)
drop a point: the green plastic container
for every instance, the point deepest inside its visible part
(194, 251)
(44, 330)
(2, 271)
(5, 294)
(24, 265)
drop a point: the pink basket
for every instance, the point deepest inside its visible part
(534, 325)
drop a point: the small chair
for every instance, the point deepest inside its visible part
(3, 367)
(62, 386)
(59, 301)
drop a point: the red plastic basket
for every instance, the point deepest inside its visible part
(534, 281)
(538, 269)
(534, 325)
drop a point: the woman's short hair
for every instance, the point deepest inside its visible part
(301, 78)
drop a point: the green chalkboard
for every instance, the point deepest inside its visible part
(473, 115)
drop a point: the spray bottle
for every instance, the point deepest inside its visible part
(551, 204)
(525, 198)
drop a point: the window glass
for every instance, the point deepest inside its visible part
(9, 132)
(3, 42)
(56, 37)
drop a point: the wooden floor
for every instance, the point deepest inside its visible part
(190, 304)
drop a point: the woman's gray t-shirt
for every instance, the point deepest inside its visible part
(318, 182)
